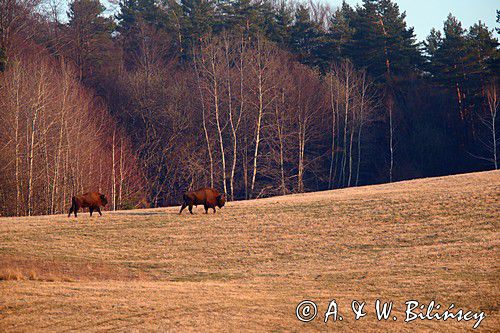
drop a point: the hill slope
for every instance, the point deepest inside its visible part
(249, 265)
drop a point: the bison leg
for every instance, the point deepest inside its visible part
(206, 209)
(74, 207)
(182, 207)
(191, 208)
(213, 209)
(99, 211)
(91, 210)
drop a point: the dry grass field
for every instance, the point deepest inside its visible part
(247, 267)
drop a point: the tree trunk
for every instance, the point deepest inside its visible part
(217, 120)
(279, 131)
(350, 156)
(390, 103)
(361, 121)
(234, 126)
(300, 174)
(346, 122)
(57, 163)
(459, 99)
(113, 173)
(245, 167)
(32, 144)
(257, 139)
(204, 121)
(17, 153)
(120, 185)
(332, 158)
(493, 106)
(391, 141)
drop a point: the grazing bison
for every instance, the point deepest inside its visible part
(208, 197)
(92, 200)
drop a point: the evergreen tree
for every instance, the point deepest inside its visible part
(447, 53)
(246, 17)
(266, 17)
(340, 33)
(382, 42)
(174, 22)
(384, 45)
(89, 34)
(304, 37)
(137, 20)
(482, 52)
(433, 42)
(282, 24)
(199, 21)
(448, 59)
(134, 12)
(498, 22)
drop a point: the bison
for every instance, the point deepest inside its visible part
(92, 200)
(208, 197)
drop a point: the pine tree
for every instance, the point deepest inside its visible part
(433, 42)
(340, 33)
(382, 42)
(138, 22)
(304, 37)
(134, 12)
(89, 34)
(282, 24)
(498, 22)
(482, 52)
(199, 22)
(448, 59)
(245, 16)
(173, 23)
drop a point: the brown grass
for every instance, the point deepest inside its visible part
(18, 268)
(248, 266)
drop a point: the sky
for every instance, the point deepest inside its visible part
(424, 15)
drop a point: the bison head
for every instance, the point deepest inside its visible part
(103, 199)
(221, 200)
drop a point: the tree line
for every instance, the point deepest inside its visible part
(57, 140)
(256, 98)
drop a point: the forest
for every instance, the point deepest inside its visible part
(254, 97)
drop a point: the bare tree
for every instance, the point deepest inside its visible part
(493, 103)
(212, 66)
(367, 105)
(235, 120)
(204, 118)
(489, 141)
(390, 107)
(333, 89)
(280, 121)
(261, 67)
(36, 94)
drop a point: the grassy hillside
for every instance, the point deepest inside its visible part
(248, 266)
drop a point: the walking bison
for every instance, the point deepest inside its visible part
(92, 200)
(208, 197)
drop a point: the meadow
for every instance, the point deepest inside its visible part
(247, 267)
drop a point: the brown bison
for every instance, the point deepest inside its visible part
(92, 200)
(208, 197)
